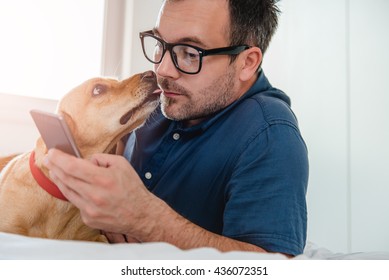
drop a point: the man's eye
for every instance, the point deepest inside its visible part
(190, 53)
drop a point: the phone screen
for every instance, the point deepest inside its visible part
(55, 132)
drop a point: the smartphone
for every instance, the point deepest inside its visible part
(55, 132)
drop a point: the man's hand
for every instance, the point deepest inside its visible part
(106, 189)
(111, 197)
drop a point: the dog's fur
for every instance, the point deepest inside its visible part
(99, 113)
(5, 160)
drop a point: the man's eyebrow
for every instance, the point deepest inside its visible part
(185, 40)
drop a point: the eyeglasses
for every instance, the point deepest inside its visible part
(186, 58)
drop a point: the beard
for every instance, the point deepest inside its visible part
(198, 105)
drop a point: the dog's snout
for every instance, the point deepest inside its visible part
(148, 75)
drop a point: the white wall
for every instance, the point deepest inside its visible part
(143, 19)
(331, 58)
(308, 60)
(369, 129)
(17, 129)
(123, 54)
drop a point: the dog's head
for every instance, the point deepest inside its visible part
(101, 111)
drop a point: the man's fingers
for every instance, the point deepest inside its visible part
(69, 169)
(72, 175)
(115, 237)
(119, 238)
(70, 193)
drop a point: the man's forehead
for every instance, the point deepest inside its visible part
(176, 38)
(202, 22)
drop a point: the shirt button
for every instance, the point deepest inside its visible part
(148, 175)
(176, 136)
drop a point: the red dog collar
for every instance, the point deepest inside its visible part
(43, 181)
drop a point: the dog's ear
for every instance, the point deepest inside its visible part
(5, 160)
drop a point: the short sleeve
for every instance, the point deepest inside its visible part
(266, 196)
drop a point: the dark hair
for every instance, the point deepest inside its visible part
(253, 22)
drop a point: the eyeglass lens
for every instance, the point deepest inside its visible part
(185, 57)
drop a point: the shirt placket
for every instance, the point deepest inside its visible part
(152, 171)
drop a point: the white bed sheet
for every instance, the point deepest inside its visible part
(14, 247)
(17, 247)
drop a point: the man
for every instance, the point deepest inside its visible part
(222, 163)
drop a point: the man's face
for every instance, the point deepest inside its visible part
(205, 24)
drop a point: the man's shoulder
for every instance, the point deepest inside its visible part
(262, 99)
(271, 106)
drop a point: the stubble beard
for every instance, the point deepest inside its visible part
(194, 106)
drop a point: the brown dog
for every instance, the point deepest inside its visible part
(99, 113)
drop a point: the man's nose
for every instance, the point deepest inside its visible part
(167, 68)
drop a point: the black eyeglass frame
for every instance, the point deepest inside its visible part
(231, 50)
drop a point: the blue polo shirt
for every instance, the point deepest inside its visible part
(241, 173)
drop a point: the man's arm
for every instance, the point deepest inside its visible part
(164, 224)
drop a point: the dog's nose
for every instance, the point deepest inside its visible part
(148, 75)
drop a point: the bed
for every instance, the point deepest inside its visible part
(14, 247)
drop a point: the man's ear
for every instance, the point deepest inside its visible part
(251, 60)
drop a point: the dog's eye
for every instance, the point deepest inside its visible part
(99, 89)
